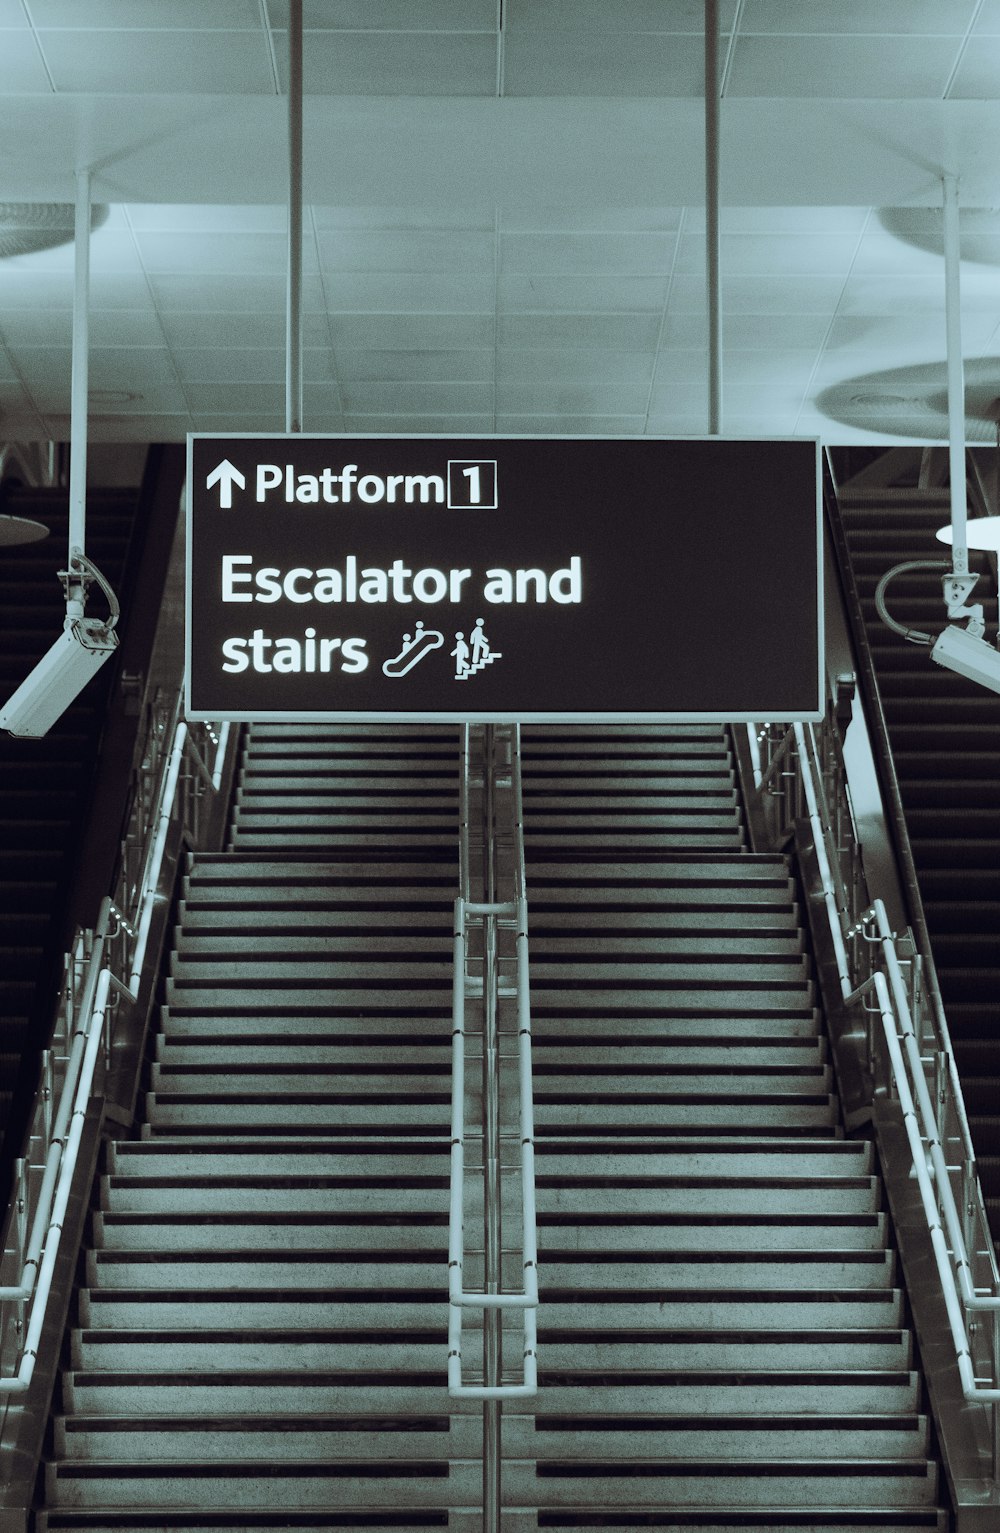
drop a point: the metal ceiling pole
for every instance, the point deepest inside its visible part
(712, 243)
(956, 378)
(76, 588)
(293, 346)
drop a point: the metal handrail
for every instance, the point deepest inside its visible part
(859, 936)
(96, 975)
(511, 915)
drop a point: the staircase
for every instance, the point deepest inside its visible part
(723, 1345)
(945, 736)
(260, 1337)
(44, 784)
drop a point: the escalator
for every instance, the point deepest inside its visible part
(944, 732)
(44, 784)
(260, 1333)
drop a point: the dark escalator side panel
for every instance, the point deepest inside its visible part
(44, 784)
(944, 732)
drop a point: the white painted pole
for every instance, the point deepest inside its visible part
(712, 238)
(956, 378)
(79, 388)
(293, 350)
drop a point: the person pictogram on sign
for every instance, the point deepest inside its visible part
(474, 654)
(461, 657)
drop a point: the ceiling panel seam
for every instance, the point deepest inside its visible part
(265, 22)
(38, 44)
(178, 376)
(328, 316)
(962, 49)
(678, 237)
(807, 395)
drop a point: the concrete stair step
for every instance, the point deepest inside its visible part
(232, 1309)
(786, 1233)
(680, 1158)
(149, 1439)
(206, 1268)
(321, 1485)
(261, 1194)
(795, 1057)
(645, 1390)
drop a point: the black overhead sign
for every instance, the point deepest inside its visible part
(498, 578)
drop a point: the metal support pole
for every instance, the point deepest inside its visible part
(293, 346)
(78, 390)
(492, 1232)
(956, 378)
(712, 240)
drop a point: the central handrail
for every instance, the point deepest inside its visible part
(510, 915)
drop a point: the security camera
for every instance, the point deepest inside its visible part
(969, 656)
(59, 677)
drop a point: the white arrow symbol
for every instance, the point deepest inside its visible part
(225, 476)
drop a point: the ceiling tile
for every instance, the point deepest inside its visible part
(232, 294)
(976, 76)
(21, 66)
(435, 216)
(768, 293)
(131, 367)
(572, 425)
(188, 218)
(396, 398)
(222, 423)
(390, 15)
(223, 331)
(910, 335)
(904, 294)
(988, 19)
(683, 421)
(415, 366)
(572, 398)
(573, 365)
(766, 254)
(749, 331)
(119, 15)
(678, 366)
(395, 63)
(887, 17)
(407, 332)
(399, 250)
(212, 254)
(12, 15)
(624, 15)
(164, 62)
(844, 68)
(236, 364)
(404, 291)
(588, 220)
(640, 253)
(580, 63)
(615, 332)
(414, 425)
(580, 295)
(242, 396)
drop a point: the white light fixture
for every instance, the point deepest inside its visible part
(981, 532)
(59, 677)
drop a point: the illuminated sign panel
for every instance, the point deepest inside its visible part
(498, 578)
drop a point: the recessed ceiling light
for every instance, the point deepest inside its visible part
(26, 227)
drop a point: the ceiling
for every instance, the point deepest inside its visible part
(504, 227)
